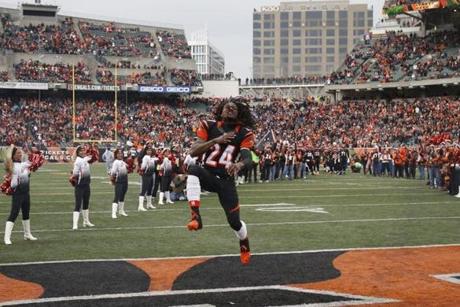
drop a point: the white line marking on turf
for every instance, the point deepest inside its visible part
(348, 249)
(293, 209)
(254, 224)
(107, 184)
(358, 299)
(213, 195)
(204, 208)
(453, 278)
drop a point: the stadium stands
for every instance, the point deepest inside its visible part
(142, 52)
(398, 56)
(174, 45)
(317, 124)
(35, 71)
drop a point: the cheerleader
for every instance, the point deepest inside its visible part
(166, 171)
(119, 177)
(17, 180)
(81, 179)
(146, 171)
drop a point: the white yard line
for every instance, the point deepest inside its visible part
(184, 206)
(398, 219)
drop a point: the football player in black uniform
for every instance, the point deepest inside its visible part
(220, 142)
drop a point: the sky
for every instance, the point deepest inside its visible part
(228, 22)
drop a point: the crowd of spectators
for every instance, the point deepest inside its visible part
(400, 56)
(174, 45)
(287, 81)
(111, 40)
(125, 64)
(41, 38)
(143, 78)
(319, 124)
(182, 77)
(36, 71)
(4, 76)
(311, 124)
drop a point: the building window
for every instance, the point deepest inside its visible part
(296, 60)
(269, 60)
(296, 15)
(296, 50)
(314, 15)
(343, 14)
(269, 51)
(370, 23)
(256, 25)
(330, 50)
(284, 42)
(330, 32)
(256, 43)
(284, 60)
(269, 34)
(269, 43)
(313, 59)
(269, 25)
(256, 34)
(343, 41)
(256, 16)
(313, 68)
(330, 59)
(296, 68)
(284, 15)
(269, 17)
(297, 24)
(256, 60)
(284, 33)
(284, 51)
(313, 41)
(296, 33)
(313, 33)
(297, 42)
(343, 32)
(330, 41)
(342, 50)
(314, 50)
(256, 50)
(343, 23)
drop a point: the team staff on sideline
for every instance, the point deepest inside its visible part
(81, 180)
(19, 174)
(221, 141)
(119, 178)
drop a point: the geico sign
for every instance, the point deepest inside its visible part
(161, 89)
(178, 90)
(155, 89)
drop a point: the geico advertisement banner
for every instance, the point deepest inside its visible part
(165, 89)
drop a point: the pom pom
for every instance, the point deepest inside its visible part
(5, 187)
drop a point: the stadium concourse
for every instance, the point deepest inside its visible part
(352, 196)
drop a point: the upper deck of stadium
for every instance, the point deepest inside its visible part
(39, 45)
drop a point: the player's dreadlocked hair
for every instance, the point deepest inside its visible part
(244, 113)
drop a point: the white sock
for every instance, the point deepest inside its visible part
(243, 232)
(193, 188)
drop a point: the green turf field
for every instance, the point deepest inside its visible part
(323, 212)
